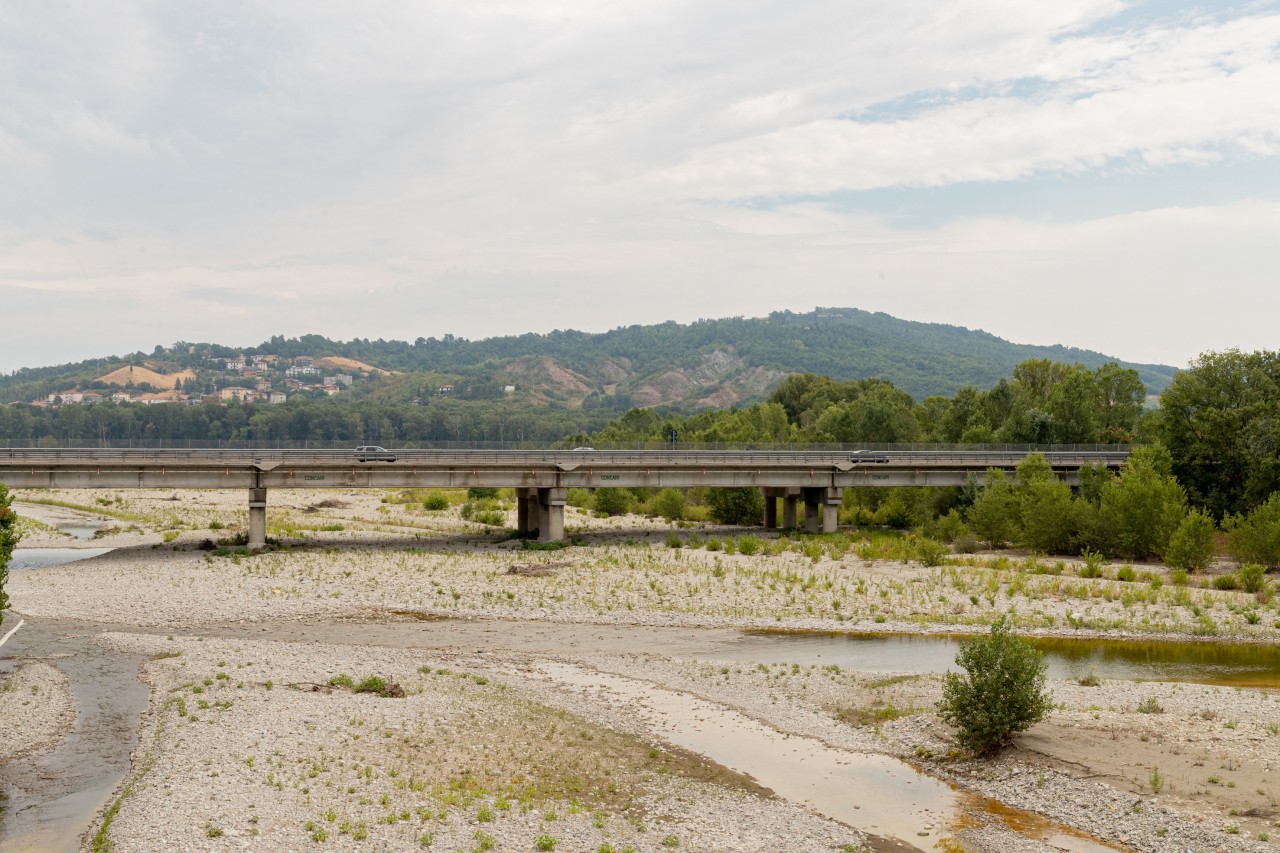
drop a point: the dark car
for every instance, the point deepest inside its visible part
(869, 457)
(373, 453)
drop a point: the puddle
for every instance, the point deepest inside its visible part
(1229, 664)
(52, 798)
(80, 530)
(876, 794)
(41, 558)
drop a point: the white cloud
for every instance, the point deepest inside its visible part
(500, 166)
(1170, 96)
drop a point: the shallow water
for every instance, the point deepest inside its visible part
(54, 796)
(877, 794)
(40, 558)
(1231, 664)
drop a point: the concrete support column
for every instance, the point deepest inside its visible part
(522, 511)
(257, 518)
(789, 510)
(831, 509)
(812, 517)
(551, 514)
(770, 508)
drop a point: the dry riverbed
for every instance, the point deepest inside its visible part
(264, 744)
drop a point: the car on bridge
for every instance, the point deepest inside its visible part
(373, 453)
(869, 457)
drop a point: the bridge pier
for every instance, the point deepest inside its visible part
(541, 510)
(821, 509)
(771, 496)
(257, 518)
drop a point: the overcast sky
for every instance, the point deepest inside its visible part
(1098, 173)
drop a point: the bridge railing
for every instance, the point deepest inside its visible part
(47, 443)
(564, 459)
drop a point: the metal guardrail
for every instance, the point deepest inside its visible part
(560, 458)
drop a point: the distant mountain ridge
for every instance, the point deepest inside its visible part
(708, 363)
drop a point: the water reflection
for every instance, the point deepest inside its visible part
(40, 558)
(1233, 664)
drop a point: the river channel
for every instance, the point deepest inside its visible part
(52, 798)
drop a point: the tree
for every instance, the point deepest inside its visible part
(612, 501)
(994, 515)
(1255, 538)
(1191, 546)
(739, 505)
(9, 537)
(669, 503)
(1001, 693)
(1142, 508)
(1220, 420)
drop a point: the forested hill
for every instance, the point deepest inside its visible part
(709, 363)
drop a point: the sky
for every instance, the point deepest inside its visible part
(1097, 173)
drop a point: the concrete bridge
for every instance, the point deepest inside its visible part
(541, 478)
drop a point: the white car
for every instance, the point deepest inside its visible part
(373, 453)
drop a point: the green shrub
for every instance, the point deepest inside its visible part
(670, 504)
(9, 536)
(1226, 582)
(1126, 574)
(477, 493)
(1001, 693)
(435, 501)
(928, 551)
(372, 684)
(994, 513)
(748, 545)
(1255, 538)
(1191, 546)
(613, 501)
(1252, 577)
(743, 505)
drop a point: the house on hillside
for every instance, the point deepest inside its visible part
(121, 397)
(235, 392)
(276, 397)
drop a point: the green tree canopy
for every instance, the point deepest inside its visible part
(1220, 420)
(9, 537)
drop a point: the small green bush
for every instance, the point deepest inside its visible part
(613, 501)
(1191, 546)
(1001, 693)
(435, 501)
(1226, 582)
(1126, 574)
(747, 545)
(930, 552)
(1252, 577)
(670, 504)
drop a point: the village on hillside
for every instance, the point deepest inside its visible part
(244, 379)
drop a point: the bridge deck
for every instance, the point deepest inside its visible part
(540, 477)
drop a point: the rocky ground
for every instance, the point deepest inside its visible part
(259, 742)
